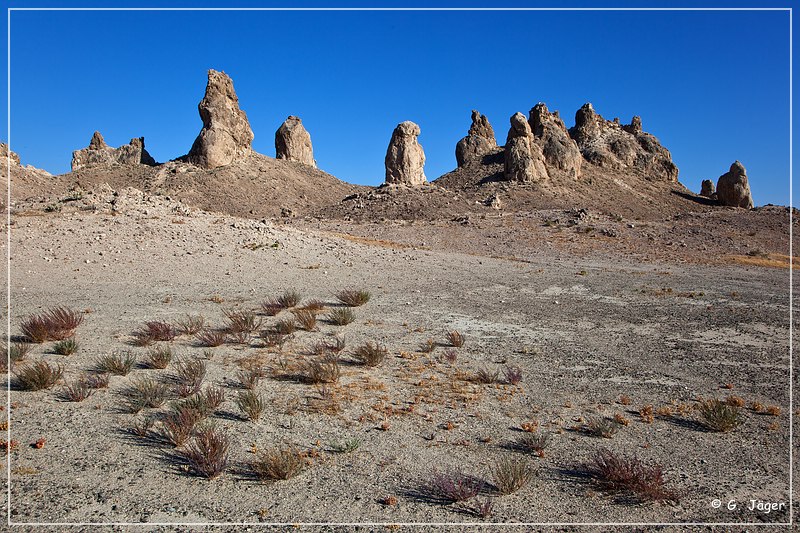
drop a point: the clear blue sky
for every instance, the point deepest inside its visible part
(712, 86)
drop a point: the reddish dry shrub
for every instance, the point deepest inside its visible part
(207, 454)
(628, 476)
(153, 331)
(177, 426)
(352, 297)
(211, 338)
(55, 324)
(453, 486)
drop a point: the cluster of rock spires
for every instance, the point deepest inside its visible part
(538, 148)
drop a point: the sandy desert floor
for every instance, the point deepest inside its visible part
(594, 334)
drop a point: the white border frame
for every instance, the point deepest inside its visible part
(409, 524)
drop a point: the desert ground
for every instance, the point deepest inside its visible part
(642, 320)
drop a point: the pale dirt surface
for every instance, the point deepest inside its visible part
(585, 324)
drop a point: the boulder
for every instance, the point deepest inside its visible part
(524, 160)
(733, 188)
(612, 145)
(226, 135)
(479, 141)
(707, 189)
(405, 158)
(98, 153)
(561, 153)
(293, 142)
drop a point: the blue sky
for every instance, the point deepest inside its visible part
(713, 86)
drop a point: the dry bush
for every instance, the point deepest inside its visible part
(719, 416)
(190, 324)
(38, 375)
(321, 370)
(210, 338)
(66, 347)
(159, 357)
(288, 299)
(305, 319)
(535, 442)
(427, 346)
(35, 329)
(736, 401)
(241, 321)
(97, 380)
(277, 463)
(600, 426)
(77, 391)
(450, 355)
(510, 474)
(333, 346)
(57, 323)
(271, 307)
(370, 354)
(205, 402)
(773, 410)
(341, 316)
(155, 330)
(188, 376)
(621, 420)
(453, 486)
(353, 297)
(513, 374)
(486, 376)
(17, 351)
(143, 393)
(251, 404)
(249, 377)
(118, 364)
(285, 326)
(178, 425)
(272, 339)
(207, 454)
(629, 476)
(455, 338)
(240, 337)
(314, 306)
(646, 414)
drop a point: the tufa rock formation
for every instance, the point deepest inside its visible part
(405, 158)
(226, 135)
(609, 144)
(479, 141)
(707, 189)
(99, 153)
(293, 143)
(733, 188)
(6, 154)
(524, 160)
(561, 153)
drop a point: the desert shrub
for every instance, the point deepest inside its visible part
(353, 297)
(719, 416)
(273, 339)
(66, 347)
(210, 338)
(288, 299)
(159, 357)
(453, 486)
(77, 391)
(535, 442)
(427, 346)
(97, 380)
(38, 375)
(450, 355)
(205, 402)
(314, 306)
(510, 474)
(346, 446)
(486, 376)
(484, 508)
(370, 354)
(305, 319)
(277, 463)
(321, 370)
(207, 454)
(628, 475)
(242, 321)
(190, 324)
(188, 376)
(142, 427)
(285, 326)
(330, 346)
(455, 338)
(17, 351)
(117, 363)
(143, 393)
(178, 424)
(513, 374)
(271, 307)
(155, 330)
(249, 377)
(57, 323)
(251, 404)
(600, 426)
(341, 316)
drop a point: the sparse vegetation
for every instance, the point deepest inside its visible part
(600, 426)
(178, 424)
(38, 375)
(17, 351)
(370, 354)
(77, 391)
(628, 476)
(190, 324)
(510, 474)
(285, 326)
(346, 446)
(241, 321)
(450, 355)
(455, 339)
(277, 463)
(719, 416)
(118, 364)
(288, 299)
(210, 338)
(321, 370)
(271, 307)
(205, 402)
(143, 393)
(98, 380)
(352, 297)
(159, 357)
(454, 486)
(249, 377)
(513, 375)
(251, 404)
(314, 306)
(66, 347)
(646, 414)
(155, 330)
(305, 319)
(188, 376)
(207, 454)
(535, 442)
(341, 316)
(486, 376)
(427, 346)
(55, 324)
